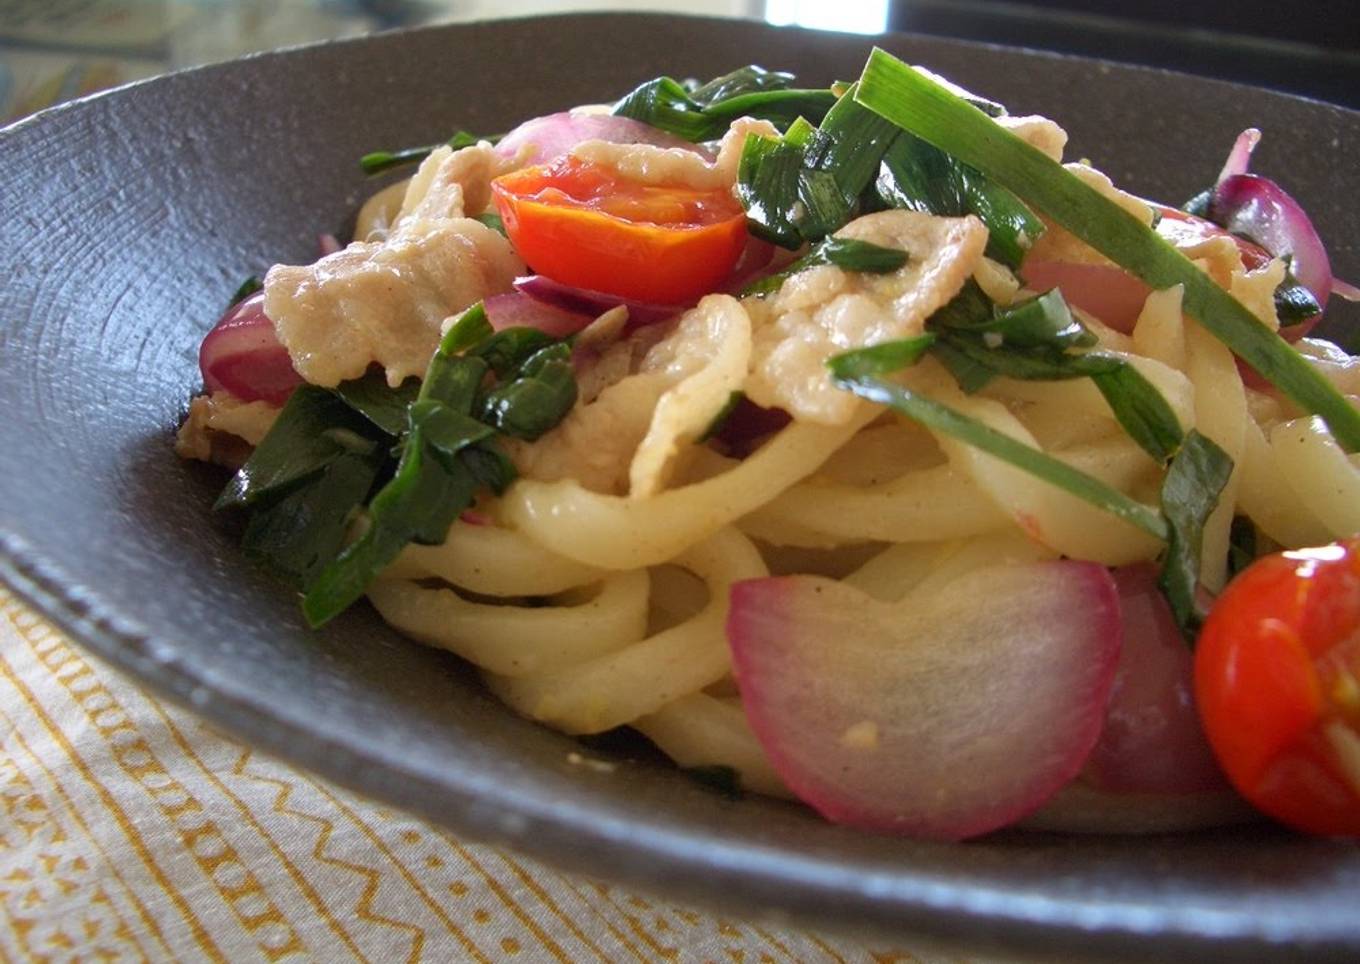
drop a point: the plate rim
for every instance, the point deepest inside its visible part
(118, 641)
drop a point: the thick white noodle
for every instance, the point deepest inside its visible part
(1221, 415)
(1320, 473)
(702, 730)
(493, 561)
(617, 532)
(516, 640)
(612, 690)
(1270, 501)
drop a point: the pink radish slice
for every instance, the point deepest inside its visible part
(1109, 293)
(243, 356)
(545, 138)
(941, 717)
(515, 309)
(1152, 741)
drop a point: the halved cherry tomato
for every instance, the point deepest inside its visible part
(1277, 682)
(586, 225)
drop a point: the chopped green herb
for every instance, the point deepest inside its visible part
(301, 444)
(923, 107)
(768, 181)
(378, 402)
(492, 221)
(248, 288)
(1190, 492)
(857, 371)
(744, 80)
(847, 253)
(842, 154)
(312, 474)
(1031, 341)
(918, 177)
(705, 113)
(719, 420)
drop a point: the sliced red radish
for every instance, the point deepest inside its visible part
(1152, 741)
(941, 717)
(545, 138)
(517, 310)
(1103, 290)
(243, 356)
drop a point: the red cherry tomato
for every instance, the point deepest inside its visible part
(585, 225)
(1277, 682)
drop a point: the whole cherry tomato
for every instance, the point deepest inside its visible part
(586, 225)
(1277, 682)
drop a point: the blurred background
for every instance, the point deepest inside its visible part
(53, 50)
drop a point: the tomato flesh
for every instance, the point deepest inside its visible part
(587, 226)
(1277, 681)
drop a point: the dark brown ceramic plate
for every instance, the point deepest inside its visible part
(129, 217)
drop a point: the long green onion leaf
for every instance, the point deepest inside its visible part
(1030, 341)
(919, 177)
(855, 372)
(921, 106)
(845, 150)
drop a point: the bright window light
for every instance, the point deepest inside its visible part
(847, 16)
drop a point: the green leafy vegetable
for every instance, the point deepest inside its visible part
(743, 80)
(918, 177)
(492, 221)
(449, 450)
(1196, 476)
(248, 288)
(313, 430)
(843, 153)
(768, 183)
(1294, 303)
(705, 113)
(375, 162)
(1190, 492)
(857, 372)
(719, 420)
(847, 253)
(314, 471)
(805, 185)
(1031, 341)
(376, 401)
(1244, 545)
(923, 107)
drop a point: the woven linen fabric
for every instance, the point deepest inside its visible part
(132, 831)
